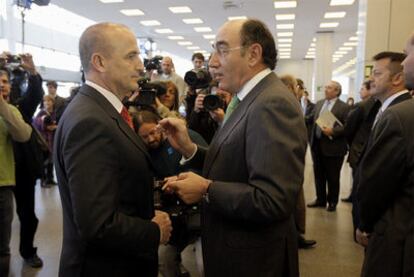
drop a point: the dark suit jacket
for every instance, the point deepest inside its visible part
(386, 194)
(358, 128)
(309, 117)
(336, 146)
(106, 188)
(256, 162)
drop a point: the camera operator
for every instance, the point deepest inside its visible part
(168, 74)
(166, 161)
(28, 166)
(208, 115)
(12, 127)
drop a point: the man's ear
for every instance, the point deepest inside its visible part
(98, 62)
(255, 54)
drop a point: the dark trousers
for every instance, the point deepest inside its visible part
(327, 171)
(6, 218)
(24, 193)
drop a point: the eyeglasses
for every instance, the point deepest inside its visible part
(223, 50)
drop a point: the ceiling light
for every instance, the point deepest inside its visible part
(150, 22)
(353, 38)
(341, 52)
(284, 49)
(285, 4)
(285, 16)
(284, 57)
(193, 47)
(328, 25)
(202, 29)
(285, 34)
(236, 17)
(309, 57)
(132, 12)
(175, 37)
(285, 45)
(209, 36)
(182, 9)
(201, 51)
(164, 31)
(341, 2)
(351, 43)
(313, 44)
(335, 15)
(284, 40)
(345, 48)
(337, 55)
(311, 49)
(111, 1)
(185, 43)
(285, 26)
(192, 21)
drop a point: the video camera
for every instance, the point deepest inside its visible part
(200, 79)
(18, 76)
(153, 64)
(147, 92)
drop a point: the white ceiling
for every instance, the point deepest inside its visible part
(309, 14)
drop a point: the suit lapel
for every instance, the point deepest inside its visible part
(110, 110)
(401, 98)
(236, 117)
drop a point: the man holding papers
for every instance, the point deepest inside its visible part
(328, 146)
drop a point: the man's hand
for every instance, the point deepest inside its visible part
(217, 115)
(28, 64)
(327, 131)
(163, 221)
(198, 103)
(176, 131)
(362, 238)
(189, 186)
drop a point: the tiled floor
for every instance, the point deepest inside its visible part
(335, 254)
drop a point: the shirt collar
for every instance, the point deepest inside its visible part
(252, 83)
(388, 101)
(108, 95)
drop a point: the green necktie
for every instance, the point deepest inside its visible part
(231, 107)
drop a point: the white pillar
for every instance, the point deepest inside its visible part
(322, 67)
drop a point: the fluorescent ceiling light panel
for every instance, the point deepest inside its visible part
(341, 2)
(337, 55)
(312, 44)
(329, 24)
(193, 47)
(345, 48)
(181, 9)
(285, 34)
(309, 57)
(353, 38)
(341, 52)
(236, 17)
(185, 43)
(285, 4)
(284, 40)
(175, 37)
(111, 1)
(132, 12)
(209, 36)
(311, 49)
(150, 22)
(164, 31)
(202, 29)
(351, 43)
(285, 16)
(335, 15)
(314, 40)
(285, 26)
(192, 20)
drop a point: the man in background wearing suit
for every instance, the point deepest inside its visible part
(386, 188)
(103, 168)
(253, 170)
(328, 146)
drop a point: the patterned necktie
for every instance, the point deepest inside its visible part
(231, 107)
(125, 115)
(377, 117)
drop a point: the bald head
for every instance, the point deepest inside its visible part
(167, 65)
(98, 38)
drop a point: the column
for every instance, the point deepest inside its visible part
(322, 66)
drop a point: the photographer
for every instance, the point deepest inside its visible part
(28, 165)
(206, 120)
(184, 217)
(46, 122)
(12, 127)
